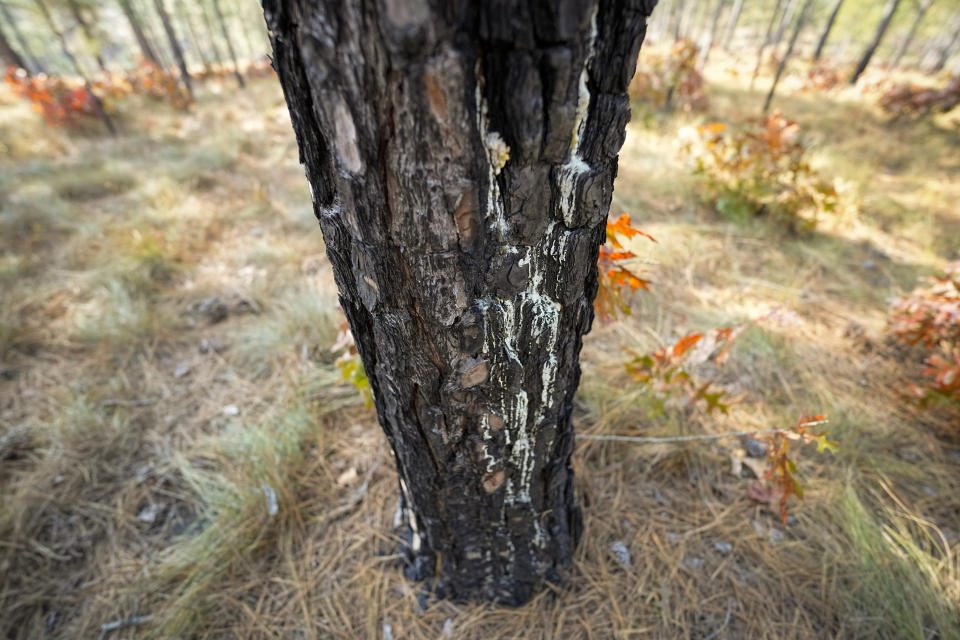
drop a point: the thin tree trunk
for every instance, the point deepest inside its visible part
(31, 62)
(681, 6)
(8, 55)
(766, 41)
(97, 103)
(461, 165)
(826, 30)
(785, 20)
(175, 47)
(948, 50)
(786, 56)
(226, 38)
(93, 42)
(732, 23)
(888, 12)
(711, 33)
(211, 32)
(244, 31)
(908, 40)
(184, 12)
(146, 49)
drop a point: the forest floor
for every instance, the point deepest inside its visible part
(180, 457)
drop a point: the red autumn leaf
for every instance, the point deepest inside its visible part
(685, 343)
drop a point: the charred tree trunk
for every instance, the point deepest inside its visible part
(908, 39)
(461, 159)
(93, 43)
(732, 23)
(888, 12)
(30, 61)
(786, 56)
(8, 55)
(826, 30)
(98, 104)
(146, 49)
(175, 47)
(226, 37)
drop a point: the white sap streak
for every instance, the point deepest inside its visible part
(411, 518)
(495, 150)
(575, 166)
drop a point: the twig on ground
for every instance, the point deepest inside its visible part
(726, 621)
(107, 627)
(706, 436)
(142, 402)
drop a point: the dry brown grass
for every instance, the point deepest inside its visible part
(129, 390)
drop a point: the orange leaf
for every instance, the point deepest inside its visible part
(685, 343)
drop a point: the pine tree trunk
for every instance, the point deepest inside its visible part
(146, 49)
(786, 56)
(211, 32)
(226, 37)
(908, 40)
(948, 50)
(711, 33)
(97, 103)
(461, 159)
(888, 12)
(8, 55)
(732, 23)
(826, 30)
(92, 41)
(30, 61)
(175, 47)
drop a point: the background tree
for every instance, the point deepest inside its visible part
(9, 55)
(732, 23)
(175, 46)
(822, 42)
(31, 62)
(146, 49)
(922, 8)
(226, 37)
(949, 47)
(461, 162)
(801, 21)
(888, 11)
(90, 38)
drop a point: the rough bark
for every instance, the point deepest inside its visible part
(226, 38)
(461, 157)
(732, 23)
(911, 34)
(146, 49)
(827, 29)
(888, 12)
(174, 42)
(786, 56)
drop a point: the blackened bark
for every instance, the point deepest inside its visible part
(827, 29)
(9, 55)
(146, 49)
(732, 23)
(226, 37)
(175, 46)
(786, 56)
(908, 39)
(461, 158)
(888, 12)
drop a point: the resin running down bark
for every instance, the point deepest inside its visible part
(461, 158)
